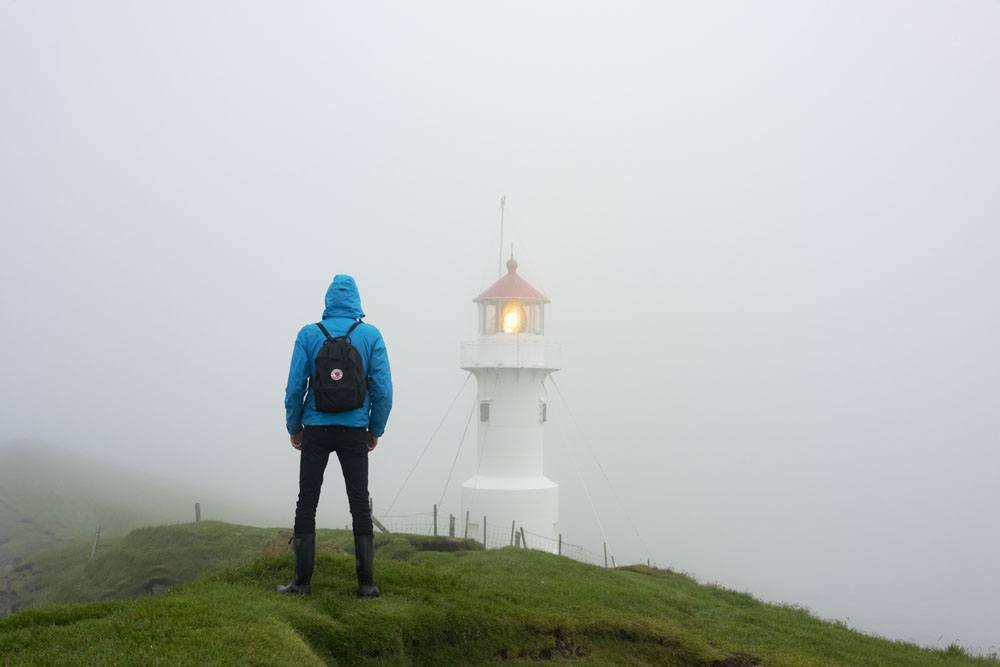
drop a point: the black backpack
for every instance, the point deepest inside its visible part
(339, 384)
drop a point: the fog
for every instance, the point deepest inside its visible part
(768, 232)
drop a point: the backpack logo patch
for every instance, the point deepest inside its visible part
(336, 374)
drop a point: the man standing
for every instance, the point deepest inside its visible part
(338, 399)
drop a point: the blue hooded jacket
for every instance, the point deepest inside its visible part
(343, 307)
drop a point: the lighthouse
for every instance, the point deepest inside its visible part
(511, 359)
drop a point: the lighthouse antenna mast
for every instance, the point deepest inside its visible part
(503, 205)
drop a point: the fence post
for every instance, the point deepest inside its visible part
(97, 538)
(451, 525)
(511, 533)
(466, 524)
(613, 562)
(560, 544)
(9, 607)
(484, 531)
(605, 554)
(517, 540)
(197, 512)
(378, 524)
(435, 519)
(524, 538)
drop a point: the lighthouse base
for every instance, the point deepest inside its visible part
(531, 503)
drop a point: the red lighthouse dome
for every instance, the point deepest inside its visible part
(512, 286)
(511, 305)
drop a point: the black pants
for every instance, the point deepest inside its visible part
(351, 445)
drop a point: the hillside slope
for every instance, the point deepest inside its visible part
(445, 603)
(146, 560)
(51, 497)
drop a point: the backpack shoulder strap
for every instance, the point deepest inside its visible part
(325, 332)
(346, 335)
(353, 327)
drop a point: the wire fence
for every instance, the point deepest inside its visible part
(496, 535)
(490, 535)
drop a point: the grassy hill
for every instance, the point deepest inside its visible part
(147, 560)
(51, 497)
(445, 602)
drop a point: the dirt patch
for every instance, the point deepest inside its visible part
(737, 660)
(24, 567)
(158, 585)
(562, 647)
(441, 543)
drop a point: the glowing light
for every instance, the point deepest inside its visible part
(513, 318)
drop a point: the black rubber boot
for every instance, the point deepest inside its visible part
(305, 560)
(364, 557)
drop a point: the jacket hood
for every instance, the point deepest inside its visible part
(342, 298)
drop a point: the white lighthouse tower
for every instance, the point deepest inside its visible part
(511, 359)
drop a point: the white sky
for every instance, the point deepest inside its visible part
(768, 230)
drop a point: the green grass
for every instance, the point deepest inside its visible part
(444, 603)
(146, 560)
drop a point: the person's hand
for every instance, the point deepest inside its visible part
(296, 439)
(372, 441)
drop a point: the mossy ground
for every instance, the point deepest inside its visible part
(444, 603)
(145, 560)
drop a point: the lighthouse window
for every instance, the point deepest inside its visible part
(489, 323)
(536, 319)
(484, 411)
(543, 411)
